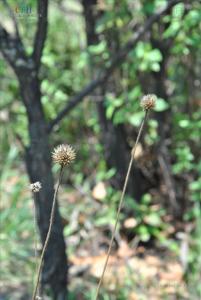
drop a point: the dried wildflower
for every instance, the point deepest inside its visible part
(63, 155)
(35, 187)
(148, 101)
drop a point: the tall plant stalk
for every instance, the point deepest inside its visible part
(35, 238)
(62, 155)
(38, 274)
(121, 201)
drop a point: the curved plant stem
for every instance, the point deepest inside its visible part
(35, 237)
(121, 202)
(34, 296)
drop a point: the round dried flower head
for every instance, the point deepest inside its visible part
(35, 187)
(63, 155)
(148, 101)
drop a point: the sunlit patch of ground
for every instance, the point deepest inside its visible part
(145, 274)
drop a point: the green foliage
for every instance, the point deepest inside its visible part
(149, 221)
(67, 65)
(161, 105)
(147, 59)
(193, 272)
(16, 225)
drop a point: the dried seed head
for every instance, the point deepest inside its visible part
(35, 187)
(63, 155)
(148, 101)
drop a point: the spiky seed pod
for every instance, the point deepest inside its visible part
(63, 155)
(148, 101)
(35, 187)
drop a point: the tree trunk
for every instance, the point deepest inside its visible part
(164, 119)
(113, 137)
(38, 158)
(38, 163)
(117, 154)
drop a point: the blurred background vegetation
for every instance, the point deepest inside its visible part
(160, 230)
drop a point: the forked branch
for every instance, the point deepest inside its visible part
(41, 31)
(116, 62)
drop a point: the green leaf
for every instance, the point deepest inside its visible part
(134, 93)
(97, 49)
(143, 233)
(153, 219)
(184, 123)
(178, 10)
(172, 29)
(136, 118)
(155, 67)
(155, 55)
(161, 105)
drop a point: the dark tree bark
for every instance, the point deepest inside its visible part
(113, 137)
(38, 162)
(164, 119)
(175, 201)
(157, 85)
(115, 62)
(38, 156)
(164, 130)
(117, 155)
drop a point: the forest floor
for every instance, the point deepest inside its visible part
(136, 271)
(133, 273)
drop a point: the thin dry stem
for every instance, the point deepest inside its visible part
(35, 248)
(35, 236)
(47, 237)
(121, 202)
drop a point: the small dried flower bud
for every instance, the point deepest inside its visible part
(63, 155)
(148, 101)
(35, 187)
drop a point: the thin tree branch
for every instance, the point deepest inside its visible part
(106, 72)
(75, 100)
(12, 49)
(13, 18)
(41, 31)
(168, 180)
